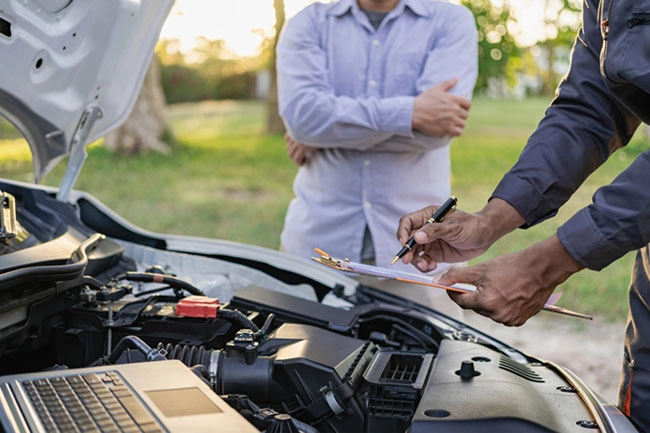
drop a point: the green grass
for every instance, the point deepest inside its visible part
(227, 179)
(224, 179)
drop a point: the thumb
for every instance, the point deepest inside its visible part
(453, 275)
(447, 84)
(462, 276)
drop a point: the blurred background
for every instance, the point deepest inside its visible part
(203, 151)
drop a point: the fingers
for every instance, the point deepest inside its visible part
(423, 260)
(437, 112)
(465, 104)
(447, 84)
(456, 130)
(436, 243)
(413, 221)
(458, 114)
(500, 301)
(297, 151)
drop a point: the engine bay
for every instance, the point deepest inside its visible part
(286, 352)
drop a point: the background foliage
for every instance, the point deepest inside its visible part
(210, 71)
(496, 43)
(229, 179)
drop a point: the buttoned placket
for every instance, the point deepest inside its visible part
(375, 55)
(366, 179)
(373, 90)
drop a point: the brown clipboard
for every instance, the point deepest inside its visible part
(347, 265)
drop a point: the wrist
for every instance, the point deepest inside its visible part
(415, 121)
(499, 218)
(552, 261)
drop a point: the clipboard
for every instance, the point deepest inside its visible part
(347, 265)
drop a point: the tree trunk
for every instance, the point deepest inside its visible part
(274, 123)
(147, 127)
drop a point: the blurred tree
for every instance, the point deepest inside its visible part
(209, 71)
(181, 81)
(236, 86)
(274, 123)
(146, 128)
(497, 45)
(561, 21)
(186, 83)
(214, 57)
(169, 52)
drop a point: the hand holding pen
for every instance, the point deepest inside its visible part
(444, 210)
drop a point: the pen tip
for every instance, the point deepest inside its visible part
(395, 259)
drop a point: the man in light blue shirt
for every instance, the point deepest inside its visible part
(371, 93)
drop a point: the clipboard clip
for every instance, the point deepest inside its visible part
(330, 261)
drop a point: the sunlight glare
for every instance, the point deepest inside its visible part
(239, 23)
(242, 23)
(236, 22)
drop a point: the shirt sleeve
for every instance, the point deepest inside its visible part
(457, 49)
(454, 54)
(418, 142)
(582, 127)
(309, 108)
(315, 115)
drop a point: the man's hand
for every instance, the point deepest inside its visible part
(298, 152)
(437, 112)
(461, 236)
(513, 288)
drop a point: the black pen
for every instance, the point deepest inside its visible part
(437, 217)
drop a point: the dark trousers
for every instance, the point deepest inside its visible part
(634, 390)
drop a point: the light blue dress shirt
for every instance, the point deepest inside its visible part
(349, 89)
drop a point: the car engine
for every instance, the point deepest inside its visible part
(288, 353)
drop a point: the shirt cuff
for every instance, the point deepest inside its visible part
(396, 114)
(585, 242)
(521, 195)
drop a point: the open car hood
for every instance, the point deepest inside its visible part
(72, 70)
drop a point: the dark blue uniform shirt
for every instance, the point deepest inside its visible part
(599, 104)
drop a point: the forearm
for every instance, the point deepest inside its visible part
(322, 120)
(497, 219)
(581, 129)
(418, 143)
(549, 262)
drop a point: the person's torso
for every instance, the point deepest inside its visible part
(625, 53)
(366, 62)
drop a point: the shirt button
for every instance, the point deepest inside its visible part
(372, 83)
(367, 204)
(366, 162)
(375, 42)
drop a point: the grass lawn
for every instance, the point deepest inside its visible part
(227, 179)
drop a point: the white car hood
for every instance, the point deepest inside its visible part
(71, 70)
